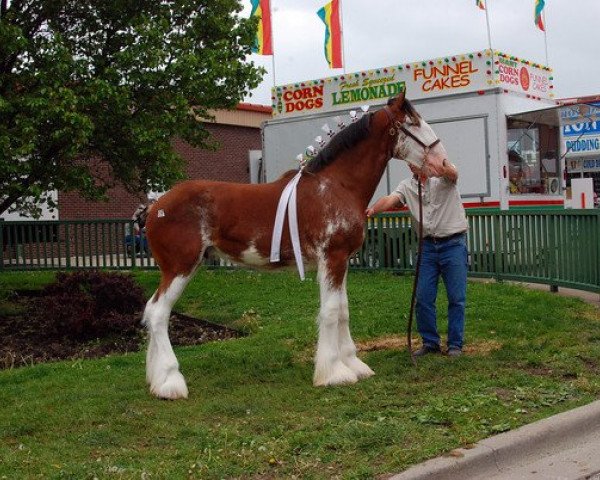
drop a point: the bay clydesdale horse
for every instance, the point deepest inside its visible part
(237, 220)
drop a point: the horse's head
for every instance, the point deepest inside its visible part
(416, 143)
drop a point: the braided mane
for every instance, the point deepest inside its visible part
(340, 142)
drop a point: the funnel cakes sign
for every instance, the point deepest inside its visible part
(470, 72)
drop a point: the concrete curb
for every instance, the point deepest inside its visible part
(501, 452)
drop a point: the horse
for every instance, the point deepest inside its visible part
(237, 221)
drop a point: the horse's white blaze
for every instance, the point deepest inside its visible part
(251, 256)
(329, 367)
(162, 368)
(408, 149)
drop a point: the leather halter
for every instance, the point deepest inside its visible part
(398, 127)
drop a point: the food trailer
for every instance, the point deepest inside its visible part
(476, 104)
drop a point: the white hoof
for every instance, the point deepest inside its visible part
(338, 374)
(172, 388)
(360, 368)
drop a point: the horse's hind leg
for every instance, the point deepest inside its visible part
(329, 367)
(162, 368)
(346, 344)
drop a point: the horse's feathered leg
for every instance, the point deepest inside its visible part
(329, 367)
(162, 367)
(346, 344)
(178, 235)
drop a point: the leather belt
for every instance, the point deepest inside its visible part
(434, 239)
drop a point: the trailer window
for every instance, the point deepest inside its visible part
(533, 160)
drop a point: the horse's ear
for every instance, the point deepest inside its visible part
(396, 103)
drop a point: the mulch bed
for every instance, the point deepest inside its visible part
(24, 339)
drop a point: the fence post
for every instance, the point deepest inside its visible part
(133, 246)
(2, 244)
(553, 258)
(68, 245)
(498, 248)
(597, 242)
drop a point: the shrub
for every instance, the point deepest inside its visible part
(91, 304)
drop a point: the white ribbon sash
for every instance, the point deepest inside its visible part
(287, 201)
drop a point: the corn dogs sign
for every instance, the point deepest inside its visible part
(471, 72)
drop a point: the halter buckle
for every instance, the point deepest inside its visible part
(395, 128)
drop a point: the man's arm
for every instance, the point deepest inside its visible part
(384, 203)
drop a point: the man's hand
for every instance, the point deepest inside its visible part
(383, 204)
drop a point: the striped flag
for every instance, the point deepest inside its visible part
(263, 44)
(480, 4)
(330, 14)
(539, 19)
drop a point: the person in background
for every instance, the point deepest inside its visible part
(444, 252)
(136, 241)
(139, 218)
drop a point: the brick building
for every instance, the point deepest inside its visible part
(238, 133)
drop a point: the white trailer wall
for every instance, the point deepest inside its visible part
(472, 127)
(467, 125)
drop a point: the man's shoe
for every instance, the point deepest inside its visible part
(454, 352)
(426, 349)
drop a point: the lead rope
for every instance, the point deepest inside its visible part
(414, 291)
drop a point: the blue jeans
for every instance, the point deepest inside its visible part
(447, 258)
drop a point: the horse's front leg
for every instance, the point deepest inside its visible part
(346, 344)
(329, 367)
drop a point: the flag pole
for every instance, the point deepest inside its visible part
(342, 33)
(487, 21)
(545, 36)
(272, 42)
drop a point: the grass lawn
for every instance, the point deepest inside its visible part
(252, 411)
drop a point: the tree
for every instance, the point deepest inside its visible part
(116, 80)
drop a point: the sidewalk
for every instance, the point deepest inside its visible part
(563, 447)
(589, 297)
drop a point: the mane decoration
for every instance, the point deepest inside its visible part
(343, 140)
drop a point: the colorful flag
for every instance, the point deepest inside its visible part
(539, 20)
(263, 44)
(330, 14)
(480, 4)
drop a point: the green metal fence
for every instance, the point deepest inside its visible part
(64, 245)
(555, 247)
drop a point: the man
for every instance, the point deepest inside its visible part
(444, 252)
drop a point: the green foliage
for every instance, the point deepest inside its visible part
(253, 412)
(83, 79)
